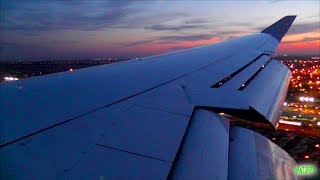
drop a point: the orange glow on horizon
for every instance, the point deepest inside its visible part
(301, 37)
(290, 44)
(300, 43)
(295, 44)
(157, 47)
(300, 47)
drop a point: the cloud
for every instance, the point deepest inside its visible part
(6, 45)
(140, 21)
(168, 39)
(61, 42)
(196, 21)
(314, 16)
(93, 15)
(64, 15)
(299, 28)
(136, 43)
(46, 44)
(305, 28)
(250, 24)
(161, 27)
(186, 38)
(228, 32)
(304, 40)
(176, 48)
(276, 1)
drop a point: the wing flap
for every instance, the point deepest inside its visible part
(240, 79)
(252, 156)
(255, 93)
(204, 151)
(273, 81)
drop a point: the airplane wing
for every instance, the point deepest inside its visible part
(154, 118)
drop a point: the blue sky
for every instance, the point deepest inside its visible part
(59, 28)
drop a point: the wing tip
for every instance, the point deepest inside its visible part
(280, 28)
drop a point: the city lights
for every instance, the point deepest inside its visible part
(290, 122)
(305, 76)
(306, 99)
(10, 78)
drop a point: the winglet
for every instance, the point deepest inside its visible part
(280, 28)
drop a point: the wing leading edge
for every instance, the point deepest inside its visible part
(151, 118)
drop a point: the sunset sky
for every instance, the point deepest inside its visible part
(89, 29)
